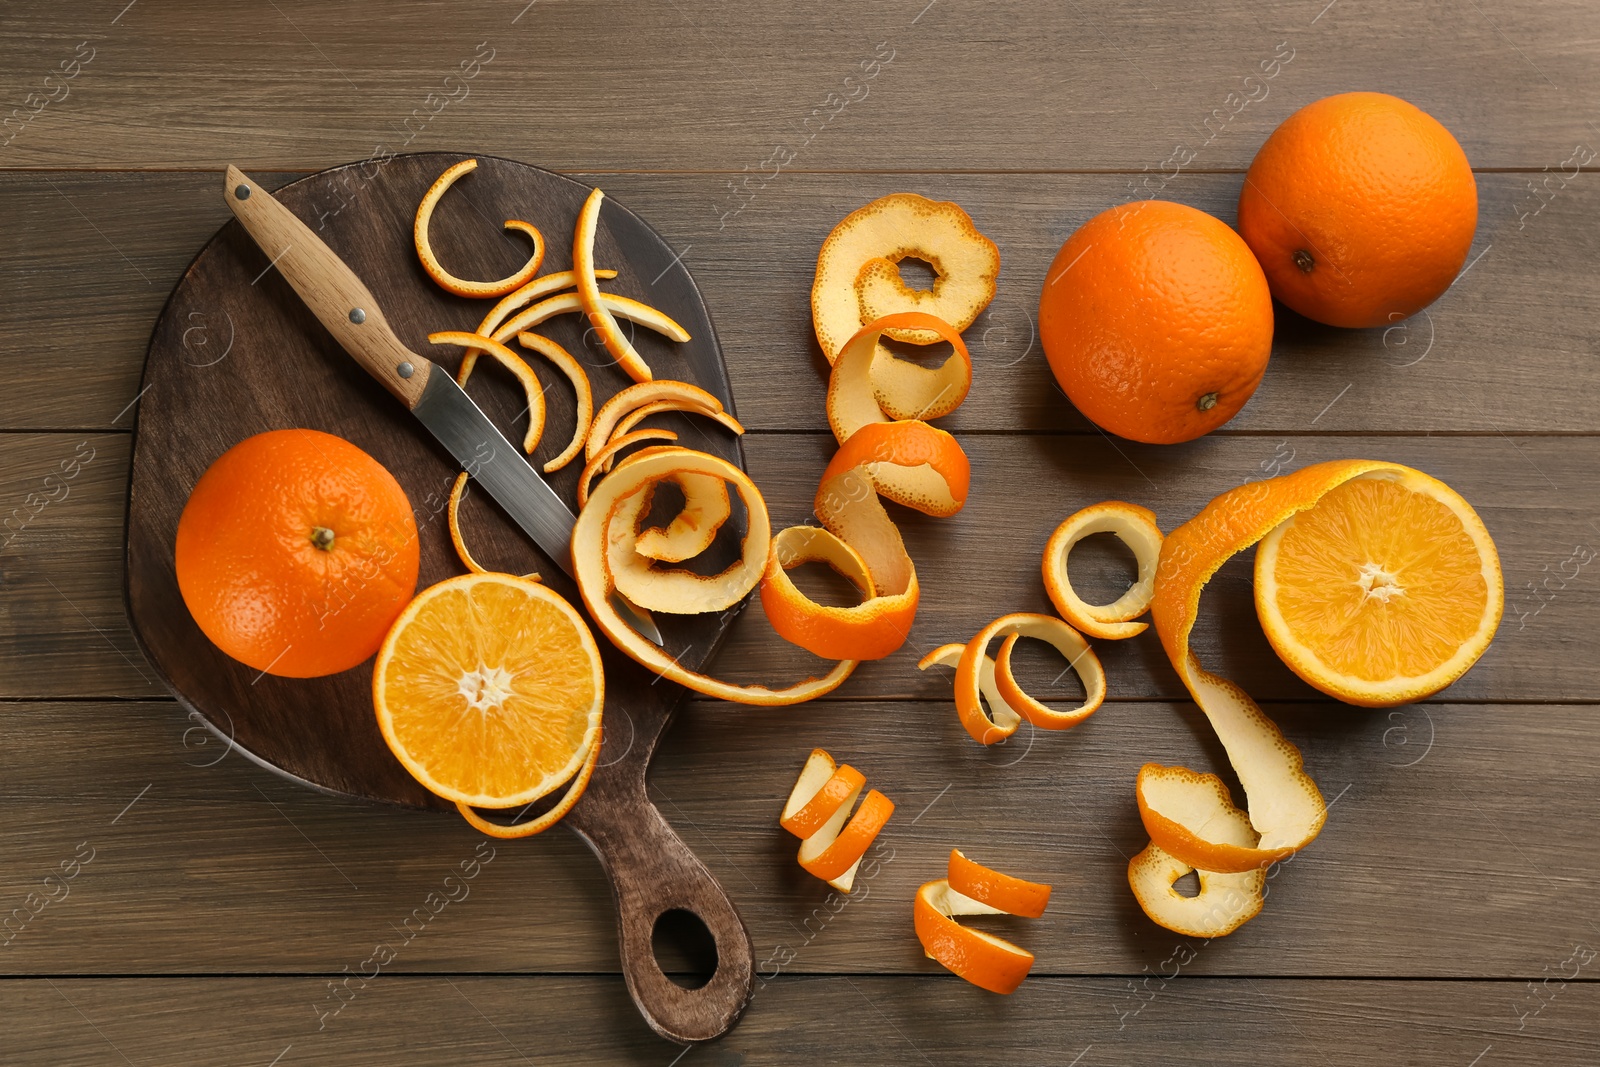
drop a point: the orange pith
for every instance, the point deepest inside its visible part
(251, 569)
(1361, 209)
(489, 690)
(1386, 590)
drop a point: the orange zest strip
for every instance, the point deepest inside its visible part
(644, 411)
(600, 543)
(821, 790)
(862, 389)
(600, 316)
(1065, 640)
(540, 287)
(1014, 896)
(444, 278)
(1007, 695)
(621, 306)
(834, 859)
(574, 793)
(513, 363)
(672, 395)
(985, 725)
(1135, 527)
(986, 961)
(609, 452)
(453, 515)
(584, 413)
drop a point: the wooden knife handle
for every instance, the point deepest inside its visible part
(653, 872)
(329, 288)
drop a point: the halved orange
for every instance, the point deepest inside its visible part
(1384, 592)
(489, 690)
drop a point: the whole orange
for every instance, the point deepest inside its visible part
(1157, 321)
(295, 552)
(1361, 208)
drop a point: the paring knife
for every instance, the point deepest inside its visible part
(347, 308)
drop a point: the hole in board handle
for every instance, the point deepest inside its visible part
(684, 948)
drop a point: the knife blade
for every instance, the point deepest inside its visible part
(347, 308)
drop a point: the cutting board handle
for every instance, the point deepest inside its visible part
(653, 872)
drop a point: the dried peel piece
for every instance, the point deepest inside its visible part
(566, 364)
(435, 269)
(863, 389)
(986, 961)
(674, 590)
(574, 793)
(845, 294)
(600, 315)
(610, 452)
(592, 539)
(1135, 527)
(1003, 892)
(513, 363)
(706, 506)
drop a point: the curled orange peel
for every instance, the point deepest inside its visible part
(669, 395)
(435, 269)
(706, 507)
(864, 389)
(452, 514)
(819, 812)
(676, 590)
(537, 289)
(988, 962)
(1003, 892)
(583, 413)
(1135, 527)
(513, 363)
(872, 629)
(574, 793)
(570, 303)
(599, 541)
(1225, 901)
(589, 296)
(1286, 810)
(610, 451)
(981, 680)
(858, 278)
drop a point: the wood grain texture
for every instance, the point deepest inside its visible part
(1535, 493)
(1458, 846)
(860, 1020)
(1500, 352)
(716, 85)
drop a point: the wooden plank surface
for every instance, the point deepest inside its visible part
(1444, 916)
(1008, 86)
(80, 305)
(1457, 846)
(564, 1020)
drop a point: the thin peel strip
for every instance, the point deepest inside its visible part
(574, 793)
(1136, 528)
(610, 451)
(981, 680)
(986, 725)
(591, 538)
(435, 269)
(537, 289)
(452, 515)
(681, 396)
(584, 393)
(600, 316)
(513, 363)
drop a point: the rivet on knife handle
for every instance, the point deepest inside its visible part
(329, 288)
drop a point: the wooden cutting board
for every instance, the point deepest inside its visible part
(236, 353)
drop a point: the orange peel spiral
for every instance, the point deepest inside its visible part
(436, 270)
(1135, 527)
(819, 812)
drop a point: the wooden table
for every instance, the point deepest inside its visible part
(1445, 916)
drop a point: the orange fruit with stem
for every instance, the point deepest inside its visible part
(1361, 208)
(295, 552)
(1157, 321)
